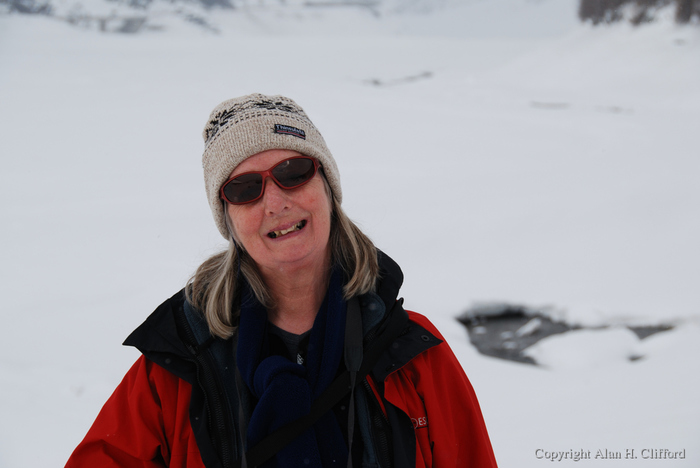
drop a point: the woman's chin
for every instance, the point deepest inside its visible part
(295, 254)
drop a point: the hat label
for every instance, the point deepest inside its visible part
(287, 130)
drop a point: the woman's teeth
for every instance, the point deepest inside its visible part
(296, 227)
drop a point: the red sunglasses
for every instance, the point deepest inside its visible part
(288, 174)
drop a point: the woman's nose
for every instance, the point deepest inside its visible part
(275, 199)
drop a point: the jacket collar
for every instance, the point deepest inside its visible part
(175, 330)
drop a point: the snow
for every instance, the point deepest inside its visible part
(532, 160)
(529, 328)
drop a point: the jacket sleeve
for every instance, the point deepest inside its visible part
(448, 423)
(132, 429)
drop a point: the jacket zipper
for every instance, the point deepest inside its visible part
(380, 429)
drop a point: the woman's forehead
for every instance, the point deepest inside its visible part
(264, 160)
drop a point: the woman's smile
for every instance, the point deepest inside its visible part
(280, 232)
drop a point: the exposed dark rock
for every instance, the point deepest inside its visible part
(635, 11)
(28, 7)
(505, 330)
(402, 80)
(648, 330)
(133, 16)
(216, 3)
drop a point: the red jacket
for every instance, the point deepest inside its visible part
(145, 423)
(154, 417)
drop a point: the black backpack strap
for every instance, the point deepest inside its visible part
(388, 332)
(353, 361)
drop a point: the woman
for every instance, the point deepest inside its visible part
(290, 349)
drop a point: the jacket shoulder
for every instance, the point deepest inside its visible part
(127, 431)
(418, 336)
(424, 322)
(159, 338)
(159, 331)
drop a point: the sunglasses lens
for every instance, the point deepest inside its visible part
(294, 172)
(244, 188)
(288, 174)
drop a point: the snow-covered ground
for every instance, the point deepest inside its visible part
(498, 150)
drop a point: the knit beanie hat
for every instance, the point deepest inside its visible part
(242, 127)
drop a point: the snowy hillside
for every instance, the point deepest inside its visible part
(497, 149)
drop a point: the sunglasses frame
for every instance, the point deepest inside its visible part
(268, 173)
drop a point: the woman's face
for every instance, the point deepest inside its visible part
(261, 226)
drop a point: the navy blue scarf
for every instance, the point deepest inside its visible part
(285, 390)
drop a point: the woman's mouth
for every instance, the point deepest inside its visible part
(298, 226)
